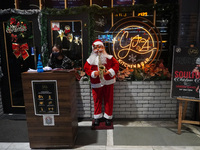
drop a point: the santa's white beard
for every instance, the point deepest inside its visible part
(94, 58)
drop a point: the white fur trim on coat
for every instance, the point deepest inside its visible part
(98, 43)
(92, 74)
(102, 83)
(107, 117)
(98, 116)
(112, 72)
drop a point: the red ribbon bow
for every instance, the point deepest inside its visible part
(20, 50)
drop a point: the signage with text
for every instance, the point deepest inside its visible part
(45, 97)
(185, 74)
(136, 42)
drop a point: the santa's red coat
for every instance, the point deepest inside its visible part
(102, 88)
(112, 65)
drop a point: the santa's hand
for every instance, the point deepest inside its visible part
(96, 73)
(107, 72)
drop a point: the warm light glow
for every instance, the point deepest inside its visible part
(136, 42)
(137, 45)
(143, 14)
(121, 15)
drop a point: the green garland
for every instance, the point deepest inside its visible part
(171, 9)
(44, 51)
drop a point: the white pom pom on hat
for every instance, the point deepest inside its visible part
(97, 42)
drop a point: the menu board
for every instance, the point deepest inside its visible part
(185, 74)
(45, 97)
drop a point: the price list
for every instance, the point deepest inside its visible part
(45, 97)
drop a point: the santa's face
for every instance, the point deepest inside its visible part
(98, 48)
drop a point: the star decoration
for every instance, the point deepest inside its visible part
(61, 34)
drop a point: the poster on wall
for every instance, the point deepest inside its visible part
(185, 74)
(45, 97)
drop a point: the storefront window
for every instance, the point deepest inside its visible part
(165, 1)
(7, 4)
(76, 3)
(68, 34)
(60, 4)
(28, 4)
(144, 1)
(34, 4)
(146, 14)
(122, 2)
(102, 3)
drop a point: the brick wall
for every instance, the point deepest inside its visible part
(133, 100)
(83, 99)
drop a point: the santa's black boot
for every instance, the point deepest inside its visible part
(96, 122)
(108, 122)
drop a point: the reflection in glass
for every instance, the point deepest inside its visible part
(68, 34)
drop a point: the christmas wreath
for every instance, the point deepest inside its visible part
(17, 27)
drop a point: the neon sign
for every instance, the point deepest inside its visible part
(142, 14)
(136, 42)
(121, 15)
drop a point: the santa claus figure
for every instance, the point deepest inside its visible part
(102, 69)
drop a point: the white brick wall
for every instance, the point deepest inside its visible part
(133, 99)
(83, 99)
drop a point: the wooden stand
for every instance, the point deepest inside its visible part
(63, 133)
(182, 112)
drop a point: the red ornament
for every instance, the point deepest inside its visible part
(12, 21)
(67, 29)
(18, 24)
(14, 37)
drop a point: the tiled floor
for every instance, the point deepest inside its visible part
(109, 142)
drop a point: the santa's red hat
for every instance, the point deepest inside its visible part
(97, 42)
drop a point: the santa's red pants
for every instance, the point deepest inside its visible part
(104, 93)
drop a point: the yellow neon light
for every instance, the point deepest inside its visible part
(138, 45)
(142, 14)
(139, 37)
(132, 44)
(121, 15)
